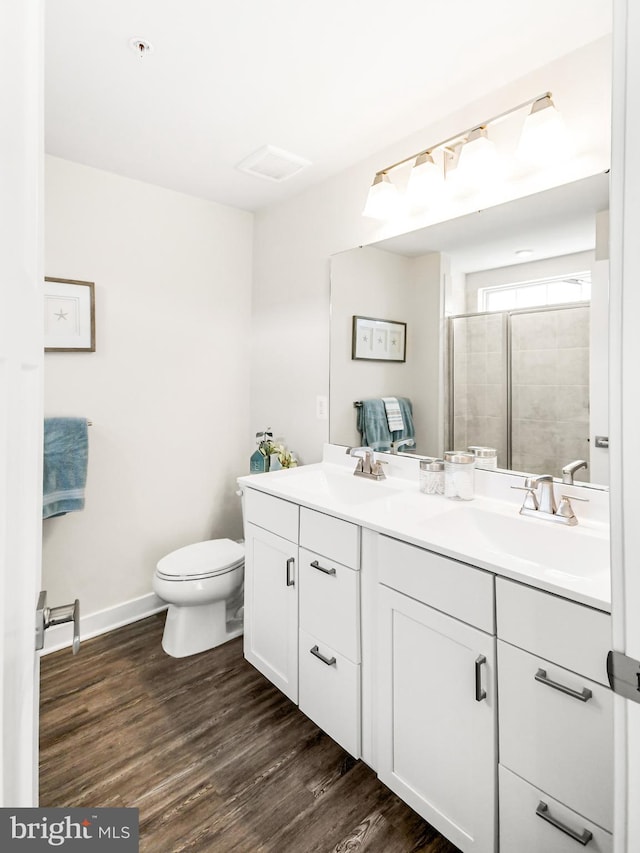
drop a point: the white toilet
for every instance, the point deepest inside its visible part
(198, 581)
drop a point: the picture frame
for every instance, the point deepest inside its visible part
(374, 339)
(69, 315)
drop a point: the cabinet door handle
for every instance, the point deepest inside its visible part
(316, 565)
(583, 695)
(480, 693)
(583, 837)
(316, 652)
(291, 581)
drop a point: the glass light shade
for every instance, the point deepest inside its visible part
(382, 201)
(544, 138)
(478, 164)
(426, 182)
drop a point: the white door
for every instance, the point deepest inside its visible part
(625, 407)
(271, 607)
(21, 185)
(437, 718)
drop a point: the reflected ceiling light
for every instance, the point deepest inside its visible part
(426, 181)
(470, 155)
(544, 137)
(382, 200)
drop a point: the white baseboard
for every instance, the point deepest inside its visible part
(94, 624)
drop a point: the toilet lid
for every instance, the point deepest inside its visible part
(202, 559)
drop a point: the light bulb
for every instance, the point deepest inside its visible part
(544, 137)
(478, 163)
(426, 182)
(382, 201)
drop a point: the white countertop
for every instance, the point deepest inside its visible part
(487, 532)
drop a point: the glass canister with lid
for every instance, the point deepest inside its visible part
(458, 475)
(432, 476)
(486, 457)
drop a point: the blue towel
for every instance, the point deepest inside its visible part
(373, 425)
(64, 476)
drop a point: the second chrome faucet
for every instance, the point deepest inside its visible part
(542, 503)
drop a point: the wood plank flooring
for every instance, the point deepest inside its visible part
(215, 757)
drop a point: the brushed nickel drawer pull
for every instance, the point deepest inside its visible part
(290, 578)
(316, 565)
(583, 695)
(583, 837)
(329, 661)
(480, 693)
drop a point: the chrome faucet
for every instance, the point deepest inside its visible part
(544, 503)
(367, 465)
(396, 445)
(569, 470)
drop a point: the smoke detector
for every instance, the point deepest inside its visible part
(272, 163)
(140, 47)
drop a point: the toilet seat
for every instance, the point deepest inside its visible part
(201, 560)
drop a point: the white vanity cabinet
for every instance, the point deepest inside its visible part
(271, 589)
(556, 722)
(329, 649)
(436, 674)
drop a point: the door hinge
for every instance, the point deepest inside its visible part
(624, 675)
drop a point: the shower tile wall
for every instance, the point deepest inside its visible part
(550, 390)
(479, 387)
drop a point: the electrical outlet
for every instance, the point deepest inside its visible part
(322, 408)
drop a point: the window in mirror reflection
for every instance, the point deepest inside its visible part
(536, 294)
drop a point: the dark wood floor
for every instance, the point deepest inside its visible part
(215, 758)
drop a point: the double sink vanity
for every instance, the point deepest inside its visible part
(458, 648)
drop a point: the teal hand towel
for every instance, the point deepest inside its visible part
(373, 425)
(64, 476)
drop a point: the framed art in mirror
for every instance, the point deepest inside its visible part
(379, 340)
(69, 315)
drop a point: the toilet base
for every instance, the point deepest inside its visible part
(191, 630)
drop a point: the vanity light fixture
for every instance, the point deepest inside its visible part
(544, 137)
(382, 200)
(426, 181)
(478, 163)
(472, 154)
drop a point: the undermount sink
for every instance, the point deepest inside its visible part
(339, 485)
(559, 550)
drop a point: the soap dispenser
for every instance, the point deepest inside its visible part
(259, 462)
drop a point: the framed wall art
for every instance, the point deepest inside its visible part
(379, 340)
(69, 315)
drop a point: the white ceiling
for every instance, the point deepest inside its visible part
(332, 81)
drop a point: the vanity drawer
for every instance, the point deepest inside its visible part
(455, 588)
(524, 831)
(573, 635)
(334, 538)
(272, 514)
(329, 692)
(557, 741)
(329, 603)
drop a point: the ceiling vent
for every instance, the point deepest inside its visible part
(272, 163)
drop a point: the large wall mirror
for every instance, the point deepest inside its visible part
(506, 314)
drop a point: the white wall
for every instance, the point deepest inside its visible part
(166, 389)
(294, 240)
(372, 282)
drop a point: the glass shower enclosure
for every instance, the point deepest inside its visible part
(519, 382)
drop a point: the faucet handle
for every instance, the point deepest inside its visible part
(530, 499)
(565, 510)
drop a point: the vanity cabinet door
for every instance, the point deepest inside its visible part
(437, 718)
(271, 607)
